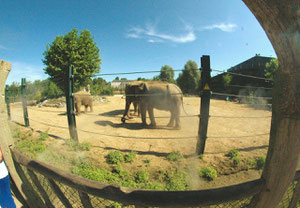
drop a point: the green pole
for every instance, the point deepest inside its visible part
(7, 102)
(70, 105)
(205, 102)
(24, 101)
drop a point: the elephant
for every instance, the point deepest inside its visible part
(83, 98)
(131, 97)
(159, 95)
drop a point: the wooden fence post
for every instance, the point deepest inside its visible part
(205, 101)
(70, 105)
(24, 101)
(7, 102)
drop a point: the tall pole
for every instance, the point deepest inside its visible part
(70, 105)
(24, 101)
(205, 101)
(7, 102)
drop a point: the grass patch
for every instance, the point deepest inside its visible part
(76, 146)
(233, 153)
(208, 173)
(174, 156)
(141, 176)
(115, 157)
(43, 136)
(129, 158)
(260, 162)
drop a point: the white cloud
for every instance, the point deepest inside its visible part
(3, 47)
(229, 27)
(151, 34)
(23, 70)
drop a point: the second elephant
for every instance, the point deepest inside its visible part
(83, 98)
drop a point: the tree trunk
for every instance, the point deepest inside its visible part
(280, 20)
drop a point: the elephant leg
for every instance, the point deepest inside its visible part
(91, 107)
(126, 112)
(85, 108)
(135, 105)
(171, 122)
(77, 107)
(177, 117)
(143, 114)
(151, 115)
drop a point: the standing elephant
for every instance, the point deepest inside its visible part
(131, 97)
(159, 95)
(83, 98)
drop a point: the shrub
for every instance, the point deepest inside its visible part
(128, 158)
(176, 182)
(76, 146)
(233, 153)
(236, 160)
(260, 162)
(115, 157)
(43, 136)
(141, 176)
(209, 173)
(174, 156)
(251, 162)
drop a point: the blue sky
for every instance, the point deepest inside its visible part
(133, 35)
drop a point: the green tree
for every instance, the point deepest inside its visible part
(271, 68)
(189, 79)
(75, 50)
(227, 79)
(167, 74)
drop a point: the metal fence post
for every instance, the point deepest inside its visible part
(7, 102)
(70, 105)
(24, 101)
(205, 102)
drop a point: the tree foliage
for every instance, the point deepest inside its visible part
(167, 74)
(271, 68)
(227, 79)
(100, 87)
(75, 50)
(189, 79)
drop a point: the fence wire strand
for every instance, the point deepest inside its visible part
(243, 75)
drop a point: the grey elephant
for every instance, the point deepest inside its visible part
(131, 97)
(83, 98)
(159, 95)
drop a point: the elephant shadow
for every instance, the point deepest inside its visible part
(112, 113)
(133, 126)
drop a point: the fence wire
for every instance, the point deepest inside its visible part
(243, 75)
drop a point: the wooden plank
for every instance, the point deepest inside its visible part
(85, 200)
(59, 193)
(34, 199)
(41, 189)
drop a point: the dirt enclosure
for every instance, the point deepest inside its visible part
(105, 131)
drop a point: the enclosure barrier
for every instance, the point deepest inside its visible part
(48, 179)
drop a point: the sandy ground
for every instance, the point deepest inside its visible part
(105, 131)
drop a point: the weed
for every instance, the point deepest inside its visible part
(76, 146)
(260, 162)
(233, 153)
(128, 158)
(174, 156)
(236, 161)
(209, 173)
(43, 136)
(176, 182)
(251, 162)
(17, 134)
(114, 205)
(115, 157)
(147, 162)
(141, 176)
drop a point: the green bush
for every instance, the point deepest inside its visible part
(141, 176)
(236, 161)
(251, 162)
(208, 173)
(115, 157)
(43, 136)
(176, 182)
(128, 158)
(260, 162)
(233, 153)
(174, 156)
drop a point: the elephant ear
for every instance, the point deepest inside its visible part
(143, 87)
